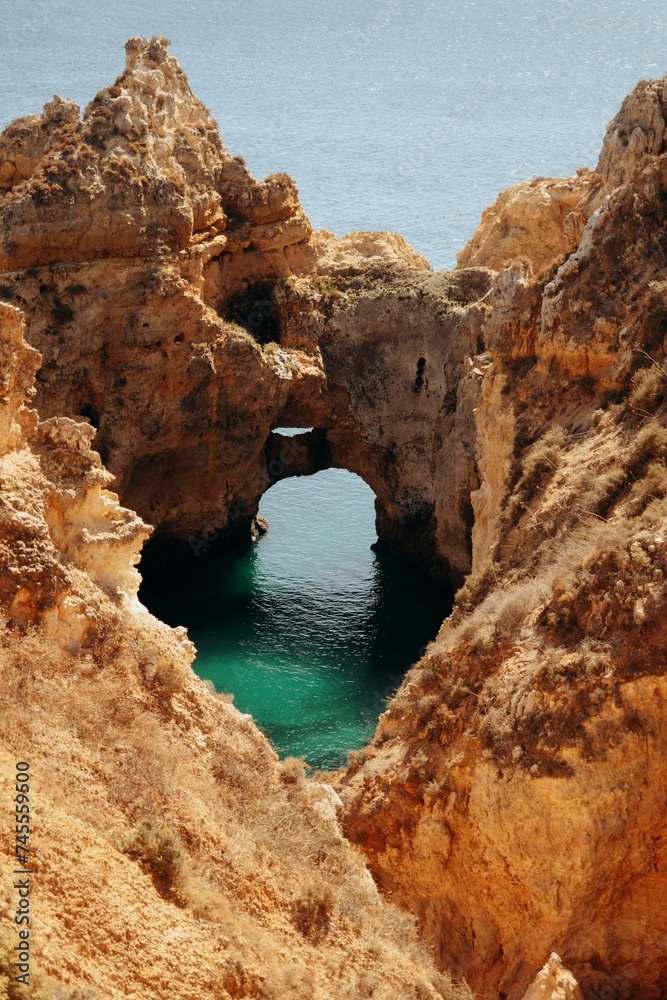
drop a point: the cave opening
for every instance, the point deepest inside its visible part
(89, 410)
(254, 309)
(309, 628)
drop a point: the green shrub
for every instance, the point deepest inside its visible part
(158, 849)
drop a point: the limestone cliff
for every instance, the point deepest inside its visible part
(134, 205)
(511, 417)
(173, 854)
(535, 222)
(163, 285)
(514, 794)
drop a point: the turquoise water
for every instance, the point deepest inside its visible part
(309, 629)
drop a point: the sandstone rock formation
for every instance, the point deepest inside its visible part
(58, 519)
(553, 982)
(172, 853)
(514, 794)
(73, 190)
(127, 206)
(510, 416)
(212, 275)
(636, 131)
(535, 221)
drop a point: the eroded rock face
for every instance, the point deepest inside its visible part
(397, 349)
(143, 169)
(58, 516)
(553, 982)
(513, 425)
(534, 222)
(126, 207)
(187, 311)
(636, 131)
(513, 796)
(163, 814)
(158, 377)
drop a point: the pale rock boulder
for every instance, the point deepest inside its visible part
(534, 222)
(359, 249)
(638, 130)
(58, 518)
(553, 982)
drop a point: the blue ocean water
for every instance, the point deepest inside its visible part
(403, 115)
(407, 115)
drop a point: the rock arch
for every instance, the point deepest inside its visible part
(205, 313)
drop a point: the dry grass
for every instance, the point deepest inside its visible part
(9, 988)
(569, 605)
(541, 460)
(326, 288)
(649, 390)
(312, 908)
(244, 847)
(157, 849)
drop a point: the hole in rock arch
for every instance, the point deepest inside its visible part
(309, 629)
(292, 431)
(90, 411)
(255, 310)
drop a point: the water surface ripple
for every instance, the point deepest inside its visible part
(309, 628)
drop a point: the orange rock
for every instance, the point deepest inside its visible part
(534, 223)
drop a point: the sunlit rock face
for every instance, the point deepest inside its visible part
(510, 417)
(514, 794)
(152, 795)
(534, 222)
(186, 311)
(108, 224)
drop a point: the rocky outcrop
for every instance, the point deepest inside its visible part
(397, 409)
(511, 419)
(534, 222)
(73, 189)
(638, 130)
(58, 518)
(537, 222)
(129, 205)
(172, 851)
(513, 796)
(230, 320)
(553, 982)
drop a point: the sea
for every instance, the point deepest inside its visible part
(390, 115)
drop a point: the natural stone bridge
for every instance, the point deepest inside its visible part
(204, 315)
(513, 797)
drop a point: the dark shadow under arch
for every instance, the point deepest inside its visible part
(309, 629)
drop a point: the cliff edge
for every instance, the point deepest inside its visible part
(511, 418)
(172, 853)
(514, 794)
